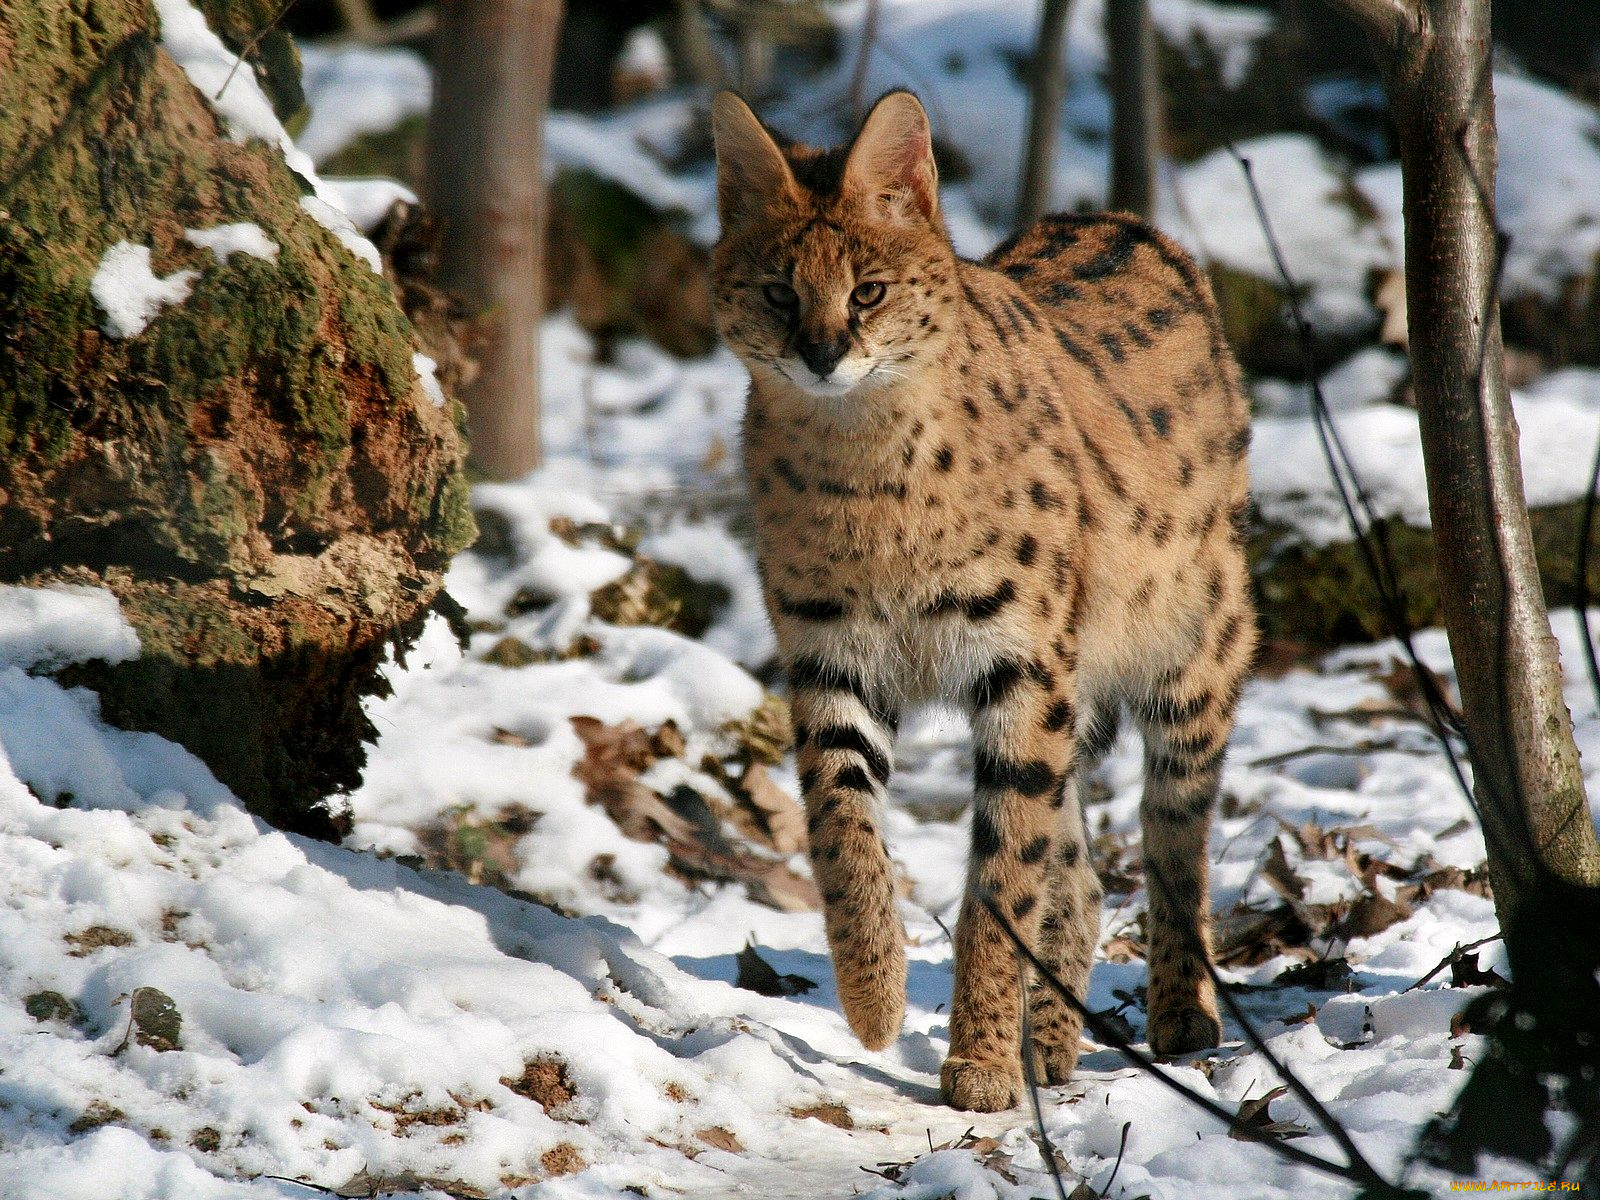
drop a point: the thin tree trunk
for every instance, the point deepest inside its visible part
(1047, 88)
(1529, 784)
(493, 66)
(858, 77)
(1135, 106)
(359, 21)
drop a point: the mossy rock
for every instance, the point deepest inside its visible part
(1323, 596)
(259, 475)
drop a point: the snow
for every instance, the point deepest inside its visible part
(44, 628)
(1326, 243)
(428, 372)
(337, 222)
(368, 201)
(1558, 418)
(238, 99)
(243, 237)
(131, 294)
(356, 90)
(327, 992)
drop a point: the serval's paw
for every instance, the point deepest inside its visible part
(980, 1087)
(1183, 1028)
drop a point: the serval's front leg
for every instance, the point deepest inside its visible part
(1022, 752)
(844, 743)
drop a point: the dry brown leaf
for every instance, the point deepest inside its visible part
(1280, 875)
(828, 1113)
(757, 975)
(1372, 913)
(719, 1138)
(781, 818)
(1254, 1116)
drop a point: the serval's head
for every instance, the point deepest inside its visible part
(834, 274)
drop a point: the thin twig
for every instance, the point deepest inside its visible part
(1107, 1034)
(1031, 1074)
(1453, 957)
(252, 44)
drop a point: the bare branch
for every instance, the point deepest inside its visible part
(1385, 19)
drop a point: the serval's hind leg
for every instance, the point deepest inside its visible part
(1070, 932)
(1185, 720)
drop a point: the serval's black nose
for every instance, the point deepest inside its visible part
(823, 354)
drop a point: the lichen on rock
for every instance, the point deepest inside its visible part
(258, 471)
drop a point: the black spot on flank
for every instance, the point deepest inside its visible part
(1239, 442)
(810, 610)
(1228, 634)
(1080, 354)
(1160, 419)
(1136, 335)
(985, 835)
(1000, 397)
(1131, 417)
(1018, 270)
(1104, 469)
(1141, 514)
(1025, 311)
(1060, 715)
(1113, 346)
(1160, 318)
(1023, 906)
(1060, 293)
(1115, 255)
(1027, 549)
(996, 774)
(847, 737)
(1162, 530)
(1071, 852)
(971, 407)
(944, 458)
(853, 779)
(995, 686)
(788, 474)
(1043, 497)
(809, 777)
(1185, 471)
(1035, 850)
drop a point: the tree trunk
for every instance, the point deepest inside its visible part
(256, 470)
(1135, 106)
(492, 72)
(1047, 86)
(1529, 785)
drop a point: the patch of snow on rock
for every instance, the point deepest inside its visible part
(428, 372)
(130, 293)
(243, 237)
(44, 628)
(337, 222)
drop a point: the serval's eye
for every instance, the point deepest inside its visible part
(780, 295)
(867, 294)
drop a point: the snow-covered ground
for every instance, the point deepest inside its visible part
(560, 1016)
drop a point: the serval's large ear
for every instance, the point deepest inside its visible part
(891, 161)
(751, 171)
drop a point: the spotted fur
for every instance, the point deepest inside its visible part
(1009, 484)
